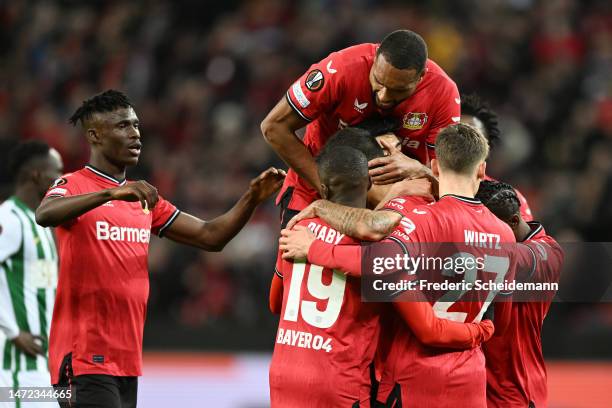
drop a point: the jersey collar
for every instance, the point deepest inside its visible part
(536, 229)
(469, 200)
(104, 175)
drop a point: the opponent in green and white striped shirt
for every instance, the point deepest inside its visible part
(28, 270)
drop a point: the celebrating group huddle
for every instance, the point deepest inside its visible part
(395, 163)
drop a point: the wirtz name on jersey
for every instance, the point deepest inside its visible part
(107, 232)
(482, 239)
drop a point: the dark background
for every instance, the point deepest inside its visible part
(203, 75)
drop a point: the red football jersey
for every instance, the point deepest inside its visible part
(326, 336)
(516, 374)
(336, 93)
(432, 377)
(103, 285)
(524, 208)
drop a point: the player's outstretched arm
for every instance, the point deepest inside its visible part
(359, 223)
(215, 234)
(54, 211)
(437, 332)
(278, 129)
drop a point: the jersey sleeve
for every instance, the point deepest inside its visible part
(65, 186)
(8, 320)
(448, 112)
(10, 241)
(403, 205)
(276, 287)
(546, 257)
(10, 234)
(164, 215)
(318, 90)
(437, 332)
(346, 258)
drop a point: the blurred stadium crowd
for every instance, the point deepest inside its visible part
(202, 76)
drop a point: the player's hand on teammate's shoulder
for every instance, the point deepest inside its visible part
(266, 184)
(308, 212)
(394, 167)
(295, 243)
(137, 191)
(28, 343)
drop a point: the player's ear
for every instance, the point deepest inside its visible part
(514, 221)
(92, 136)
(435, 169)
(482, 170)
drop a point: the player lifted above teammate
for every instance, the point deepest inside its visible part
(103, 228)
(393, 79)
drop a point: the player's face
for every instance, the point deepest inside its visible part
(477, 123)
(119, 136)
(391, 85)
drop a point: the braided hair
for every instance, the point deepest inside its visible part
(473, 105)
(500, 198)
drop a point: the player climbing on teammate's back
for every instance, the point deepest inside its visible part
(393, 79)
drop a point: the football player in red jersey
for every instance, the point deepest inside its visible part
(394, 79)
(427, 377)
(516, 373)
(103, 227)
(339, 339)
(476, 112)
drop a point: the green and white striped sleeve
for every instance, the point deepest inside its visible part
(11, 236)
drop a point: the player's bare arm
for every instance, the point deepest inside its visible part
(54, 211)
(396, 166)
(278, 129)
(213, 235)
(359, 223)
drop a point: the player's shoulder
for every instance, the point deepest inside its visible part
(350, 61)
(72, 177)
(436, 72)
(438, 80)
(6, 208)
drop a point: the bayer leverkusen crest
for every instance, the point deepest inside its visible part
(414, 120)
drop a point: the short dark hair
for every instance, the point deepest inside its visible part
(500, 198)
(473, 105)
(379, 125)
(342, 166)
(460, 147)
(355, 138)
(107, 101)
(23, 154)
(404, 49)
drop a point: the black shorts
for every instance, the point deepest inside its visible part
(97, 390)
(286, 213)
